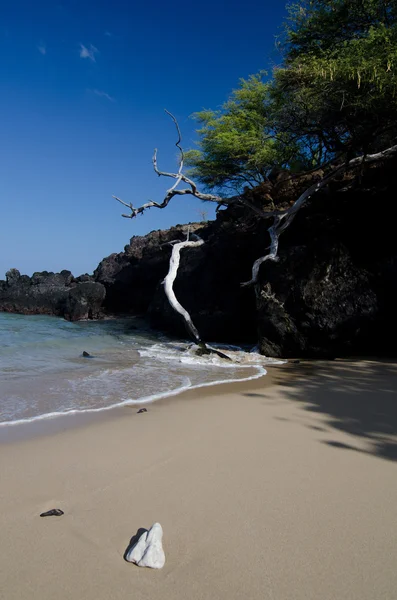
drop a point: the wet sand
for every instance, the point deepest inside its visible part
(283, 488)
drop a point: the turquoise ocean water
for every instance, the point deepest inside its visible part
(43, 373)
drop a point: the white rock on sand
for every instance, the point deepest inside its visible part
(148, 551)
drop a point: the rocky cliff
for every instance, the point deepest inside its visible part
(52, 294)
(208, 281)
(333, 291)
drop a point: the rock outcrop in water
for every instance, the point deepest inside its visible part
(52, 294)
(332, 293)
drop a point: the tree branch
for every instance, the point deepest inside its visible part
(272, 255)
(173, 191)
(169, 283)
(172, 299)
(283, 220)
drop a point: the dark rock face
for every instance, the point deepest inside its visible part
(334, 290)
(208, 282)
(330, 311)
(208, 286)
(332, 293)
(84, 301)
(132, 277)
(51, 294)
(12, 277)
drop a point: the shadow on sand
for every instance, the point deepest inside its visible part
(133, 541)
(356, 397)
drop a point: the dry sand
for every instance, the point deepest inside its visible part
(284, 488)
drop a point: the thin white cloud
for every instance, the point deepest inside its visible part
(42, 48)
(88, 52)
(108, 34)
(104, 95)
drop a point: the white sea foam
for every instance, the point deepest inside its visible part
(129, 368)
(130, 402)
(76, 411)
(187, 354)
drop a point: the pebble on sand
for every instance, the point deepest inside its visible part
(148, 550)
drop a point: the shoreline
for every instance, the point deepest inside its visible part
(280, 488)
(11, 432)
(44, 426)
(59, 383)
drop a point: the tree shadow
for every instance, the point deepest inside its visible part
(357, 397)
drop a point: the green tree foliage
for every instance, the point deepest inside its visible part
(237, 144)
(338, 83)
(335, 94)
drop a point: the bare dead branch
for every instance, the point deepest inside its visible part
(169, 282)
(136, 211)
(178, 142)
(173, 191)
(283, 220)
(182, 158)
(172, 299)
(170, 243)
(272, 255)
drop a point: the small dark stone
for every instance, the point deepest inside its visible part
(55, 512)
(142, 410)
(202, 351)
(86, 354)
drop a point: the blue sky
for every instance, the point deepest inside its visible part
(83, 86)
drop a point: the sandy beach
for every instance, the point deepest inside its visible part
(283, 488)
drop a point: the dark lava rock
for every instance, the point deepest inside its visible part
(334, 290)
(332, 293)
(84, 301)
(208, 282)
(12, 277)
(51, 294)
(54, 512)
(84, 277)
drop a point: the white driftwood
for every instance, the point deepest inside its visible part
(169, 283)
(281, 221)
(271, 256)
(173, 191)
(148, 551)
(172, 299)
